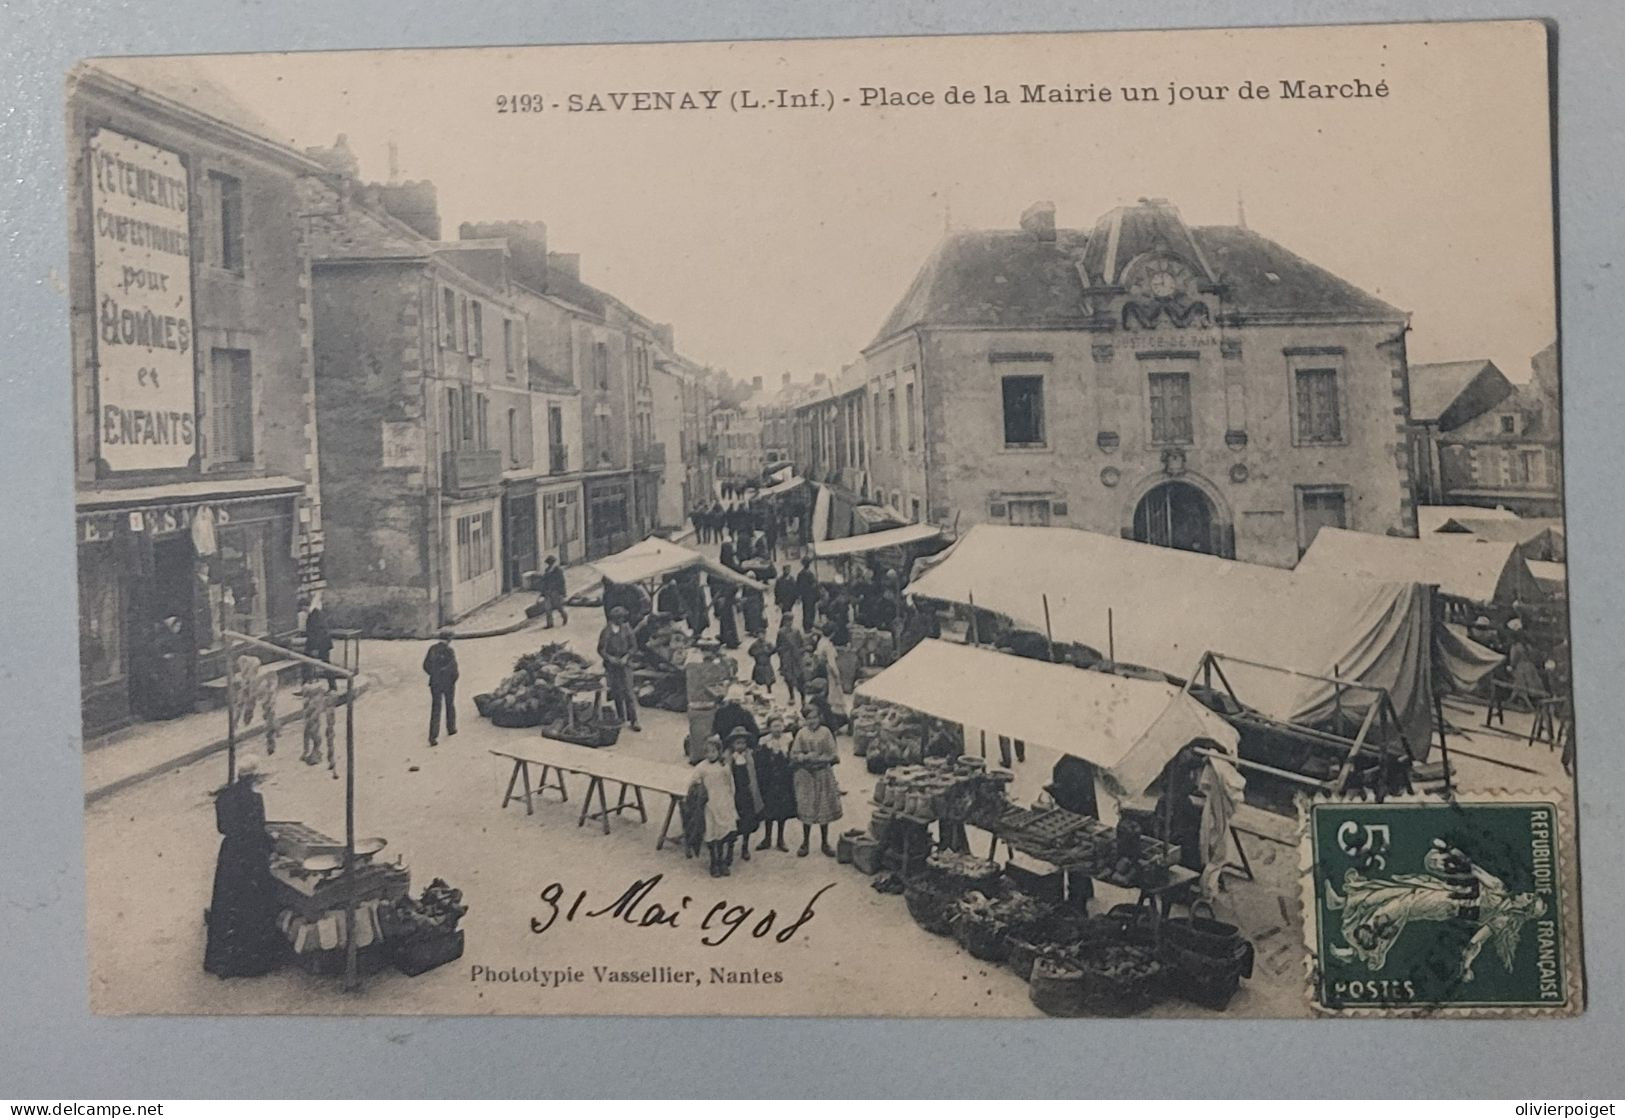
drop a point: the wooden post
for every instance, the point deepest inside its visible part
(975, 641)
(1049, 634)
(231, 710)
(352, 977)
(1111, 637)
(1444, 747)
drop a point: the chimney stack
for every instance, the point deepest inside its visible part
(1038, 219)
(565, 264)
(756, 384)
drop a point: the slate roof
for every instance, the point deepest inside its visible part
(1010, 279)
(1450, 393)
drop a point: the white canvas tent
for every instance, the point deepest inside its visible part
(1430, 518)
(786, 485)
(655, 557)
(876, 541)
(1163, 609)
(1129, 729)
(1538, 538)
(1460, 565)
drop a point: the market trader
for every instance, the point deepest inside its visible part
(616, 643)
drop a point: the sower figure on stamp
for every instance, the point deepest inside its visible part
(440, 665)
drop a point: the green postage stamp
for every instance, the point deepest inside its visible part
(1441, 907)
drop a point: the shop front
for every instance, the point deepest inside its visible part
(161, 578)
(609, 515)
(561, 522)
(520, 537)
(472, 575)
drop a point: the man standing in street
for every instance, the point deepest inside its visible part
(553, 592)
(440, 665)
(807, 591)
(616, 643)
(784, 590)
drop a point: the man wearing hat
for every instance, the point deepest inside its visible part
(616, 643)
(553, 592)
(440, 665)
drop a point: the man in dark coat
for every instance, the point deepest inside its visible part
(440, 665)
(784, 590)
(807, 591)
(616, 644)
(724, 597)
(319, 640)
(553, 592)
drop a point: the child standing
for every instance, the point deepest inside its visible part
(761, 653)
(747, 792)
(774, 779)
(713, 777)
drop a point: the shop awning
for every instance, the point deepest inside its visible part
(1129, 729)
(187, 492)
(785, 486)
(876, 541)
(1162, 609)
(1462, 566)
(654, 557)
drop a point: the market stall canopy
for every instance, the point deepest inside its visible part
(781, 487)
(1129, 729)
(873, 518)
(1537, 538)
(1168, 607)
(1553, 577)
(876, 541)
(1430, 518)
(654, 557)
(1459, 565)
(779, 468)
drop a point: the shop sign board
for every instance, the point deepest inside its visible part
(146, 399)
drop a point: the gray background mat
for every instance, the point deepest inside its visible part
(55, 1050)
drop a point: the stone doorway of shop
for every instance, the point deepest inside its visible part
(163, 651)
(1177, 514)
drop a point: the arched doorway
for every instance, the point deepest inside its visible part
(1179, 515)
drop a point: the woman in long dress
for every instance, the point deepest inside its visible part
(243, 940)
(774, 777)
(818, 796)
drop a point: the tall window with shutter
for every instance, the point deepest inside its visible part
(231, 399)
(1320, 418)
(1170, 398)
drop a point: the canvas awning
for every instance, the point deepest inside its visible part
(1161, 608)
(1459, 565)
(876, 541)
(1553, 577)
(789, 484)
(1537, 538)
(1430, 518)
(654, 557)
(1129, 729)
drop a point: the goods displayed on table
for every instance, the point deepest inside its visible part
(1120, 855)
(312, 891)
(658, 666)
(535, 693)
(962, 790)
(888, 735)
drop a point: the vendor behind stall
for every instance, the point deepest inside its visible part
(243, 940)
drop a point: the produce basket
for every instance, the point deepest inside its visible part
(593, 735)
(843, 847)
(1057, 987)
(931, 906)
(1119, 981)
(866, 854)
(422, 953)
(984, 938)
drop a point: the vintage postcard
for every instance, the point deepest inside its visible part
(1046, 524)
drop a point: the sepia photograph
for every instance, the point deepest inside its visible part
(1032, 525)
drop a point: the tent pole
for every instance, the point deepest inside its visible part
(1444, 746)
(231, 710)
(352, 977)
(975, 642)
(1049, 634)
(1111, 637)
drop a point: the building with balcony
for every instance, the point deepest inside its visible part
(195, 435)
(1196, 387)
(422, 387)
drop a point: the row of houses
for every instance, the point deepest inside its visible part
(288, 382)
(1202, 388)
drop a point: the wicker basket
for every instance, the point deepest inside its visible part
(1057, 988)
(418, 954)
(1106, 994)
(931, 907)
(984, 939)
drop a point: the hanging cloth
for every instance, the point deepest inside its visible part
(203, 540)
(1222, 787)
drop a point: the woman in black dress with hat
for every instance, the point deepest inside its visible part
(243, 940)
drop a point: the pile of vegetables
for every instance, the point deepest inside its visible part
(1011, 911)
(533, 694)
(435, 913)
(966, 868)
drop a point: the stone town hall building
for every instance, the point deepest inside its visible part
(1196, 387)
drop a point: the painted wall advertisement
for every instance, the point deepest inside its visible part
(146, 400)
